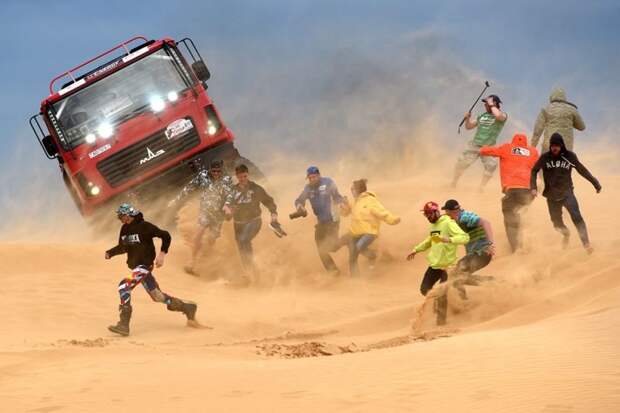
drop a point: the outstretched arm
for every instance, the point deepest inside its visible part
(423, 246)
(379, 211)
(583, 171)
(267, 201)
(495, 151)
(189, 188)
(300, 202)
(116, 250)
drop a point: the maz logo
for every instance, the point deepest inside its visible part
(151, 155)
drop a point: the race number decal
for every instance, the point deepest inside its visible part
(178, 127)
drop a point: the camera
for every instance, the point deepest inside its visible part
(298, 214)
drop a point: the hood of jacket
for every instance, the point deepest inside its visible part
(557, 139)
(520, 140)
(559, 95)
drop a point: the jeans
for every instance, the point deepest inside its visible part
(572, 206)
(244, 234)
(512, 202)
(359, 245)
(326, 238)
(471, 263)
(465, 269)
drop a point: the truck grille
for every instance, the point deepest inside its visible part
(145, 155)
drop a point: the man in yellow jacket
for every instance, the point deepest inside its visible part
(367, 213)
(445, 235)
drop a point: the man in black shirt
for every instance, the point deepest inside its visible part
(557, 165)
(136, 240)
(247, 197)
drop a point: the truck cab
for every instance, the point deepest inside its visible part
(134, 125)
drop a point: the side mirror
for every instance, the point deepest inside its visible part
(50, 146)
(200, 68)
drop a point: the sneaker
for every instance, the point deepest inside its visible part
(277, 229)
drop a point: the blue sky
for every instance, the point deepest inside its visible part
(287, 74)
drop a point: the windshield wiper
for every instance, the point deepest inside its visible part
(133, 113)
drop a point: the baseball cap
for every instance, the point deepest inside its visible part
(312, 170)
(451, 205)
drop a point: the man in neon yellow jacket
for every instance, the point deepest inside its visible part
(445, 235)
(367, 213)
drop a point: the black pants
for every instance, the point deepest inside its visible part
(326, 238)
(431, 276)
(572, 206)
(512, 202)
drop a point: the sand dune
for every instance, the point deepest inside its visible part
(543, 338)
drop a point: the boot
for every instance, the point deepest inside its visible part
(188, 308)
(122, 327)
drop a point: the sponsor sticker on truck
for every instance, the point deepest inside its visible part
(99, 150)
(178, 127)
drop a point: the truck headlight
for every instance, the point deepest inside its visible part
(105, 130)
(89, 188)
(173, 96)
(94, 190)
(90, 138)
(157, 104)
(211, 129)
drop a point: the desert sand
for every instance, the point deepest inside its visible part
(543, 338)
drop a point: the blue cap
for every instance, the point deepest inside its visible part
(312, 170)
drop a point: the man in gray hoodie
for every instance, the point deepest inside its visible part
(559, 116)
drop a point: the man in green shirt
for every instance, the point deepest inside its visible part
(490, 125)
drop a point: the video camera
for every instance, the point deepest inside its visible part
(300, 213)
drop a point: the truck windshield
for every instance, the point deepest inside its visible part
(93, 112)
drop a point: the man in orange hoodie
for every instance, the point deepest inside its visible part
(516, 160)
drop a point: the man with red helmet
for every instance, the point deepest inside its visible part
(444, 237)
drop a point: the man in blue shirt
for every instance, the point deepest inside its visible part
(479, 250)
(323, 196)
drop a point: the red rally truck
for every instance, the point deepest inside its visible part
(134, 127)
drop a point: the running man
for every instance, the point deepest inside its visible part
(445, 236)
(247, 197)
(515, 164)
(489, 124)
(479, 250)
(557, 165)
(367, 213)
(215, 200)
(323, 196)
(136, 240)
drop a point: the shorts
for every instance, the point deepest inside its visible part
(471, 155)
(212, 222)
